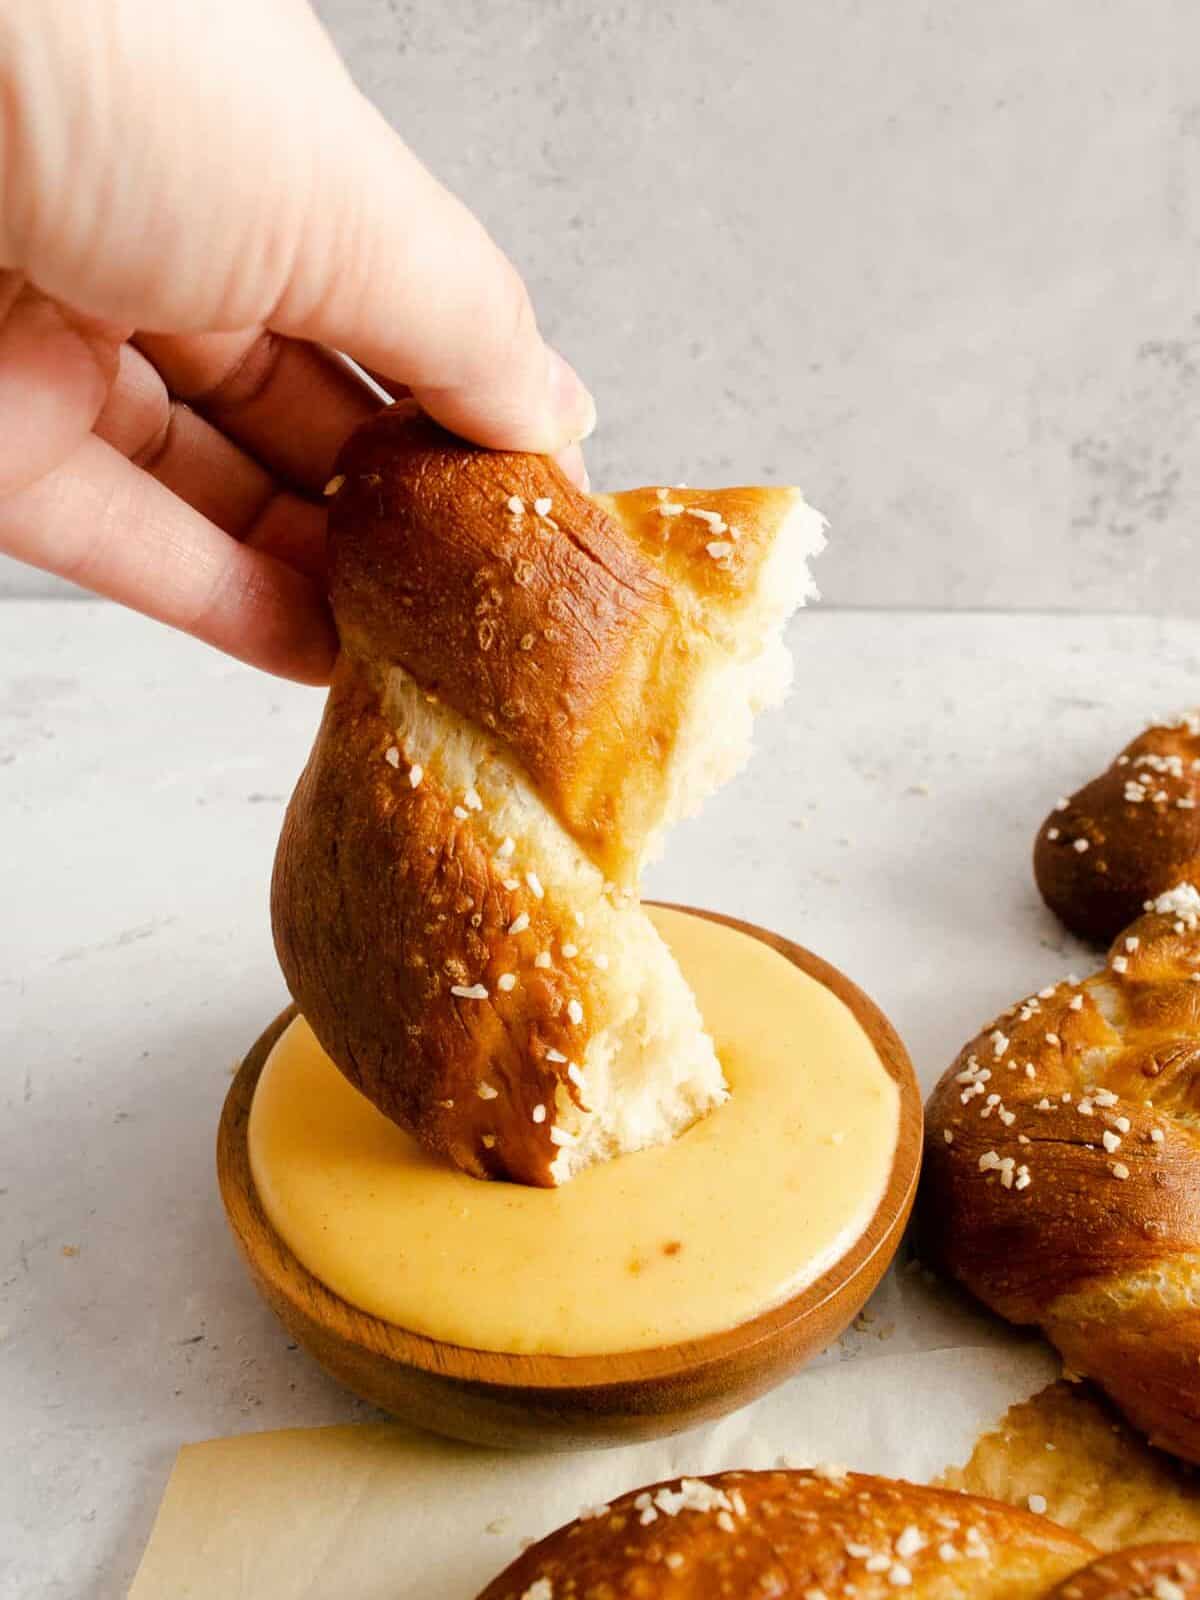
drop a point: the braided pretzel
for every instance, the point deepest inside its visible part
(820, 1535)
(1128, 835)
(533, 684)
(1060, 1180)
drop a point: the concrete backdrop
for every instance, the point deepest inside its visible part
(936, 260)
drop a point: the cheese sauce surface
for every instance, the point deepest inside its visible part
(750, 1205)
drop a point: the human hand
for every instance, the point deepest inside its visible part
(193, 201)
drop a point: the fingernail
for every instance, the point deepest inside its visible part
(572, 463)
(570, 401)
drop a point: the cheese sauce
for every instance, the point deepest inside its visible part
(746, 1208)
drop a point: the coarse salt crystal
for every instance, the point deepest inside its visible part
(1183, 902)
(1164, 1588)
(714, 518)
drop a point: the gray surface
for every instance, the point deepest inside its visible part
(936, 261)
(142, 783)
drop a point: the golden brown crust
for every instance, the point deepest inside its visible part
(382, 902)
(1143, 1572)
(795, 1534)
(1125, 837)
(1062, 1165)
(432, 572)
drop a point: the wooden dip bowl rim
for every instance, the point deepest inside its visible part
(554, 1401)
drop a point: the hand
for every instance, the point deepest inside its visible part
(194, 199)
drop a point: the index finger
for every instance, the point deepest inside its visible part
(394, 270)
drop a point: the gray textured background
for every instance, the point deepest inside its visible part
(935, 260)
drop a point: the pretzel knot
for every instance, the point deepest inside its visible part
(533, 684)
(1063, 1153)
(1129, 835)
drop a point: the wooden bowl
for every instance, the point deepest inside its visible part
(567, 1402)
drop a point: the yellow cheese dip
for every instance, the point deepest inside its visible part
(741, 1212)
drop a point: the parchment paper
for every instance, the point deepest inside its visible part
(379, 1512)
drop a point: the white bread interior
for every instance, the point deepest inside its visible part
(753, 672)
(651, 1071)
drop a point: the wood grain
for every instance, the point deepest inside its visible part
(565, 1402)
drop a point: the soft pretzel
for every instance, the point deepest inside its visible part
(1062, 1172)
(1128, 835)
(533, 684)
(1141, 1572)
(815, 1535)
